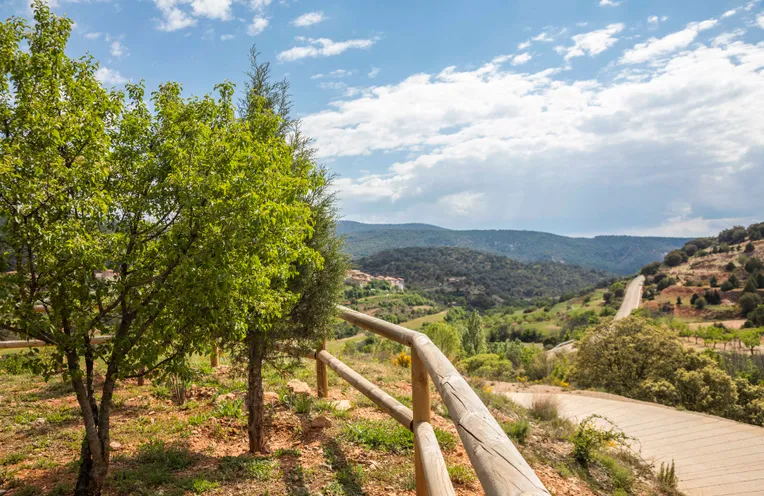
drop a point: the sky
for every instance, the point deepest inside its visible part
(578, 117)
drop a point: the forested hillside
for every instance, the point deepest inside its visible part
(617, 254)
(483, 279)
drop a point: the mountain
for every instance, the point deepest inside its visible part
(617, 254)
(483, 279)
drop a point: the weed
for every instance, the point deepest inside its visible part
(446, 440)
(461, 474)
(544, 407)
(60, 489)
(623, 477)
(229, 409)
(200, 485)
(13, 458)
(174, 457)
(588, 439)
(28, 491)
(300, 403)
(667, 479)
(286, 452)
(199, 419)
(518, 430)
(349, 477)
(402, 360)
(246, 466)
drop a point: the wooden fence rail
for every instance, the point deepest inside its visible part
(501, 469)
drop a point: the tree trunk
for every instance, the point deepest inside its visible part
(256, 354)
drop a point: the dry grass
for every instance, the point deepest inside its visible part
(544, 407)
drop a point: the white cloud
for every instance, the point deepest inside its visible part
(93, 36)
(117, 49)
(729, 13)
(259, 4)
(308, 19)
(544, 36)
(593, 42)
(226, 37)
(212, 9)
(655, 48)
(173, 18)
(109, 77)
(655, 20)
(609, 3)
(760, 20)
(521, 58)
(524, 45)
(463, 203)
(257, 26)
(545, 150)
(322, 47)
(374, 72)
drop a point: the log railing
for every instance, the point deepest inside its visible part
(500, 468)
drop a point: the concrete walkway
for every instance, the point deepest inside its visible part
(713, 456)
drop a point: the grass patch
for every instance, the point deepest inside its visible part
(13, 458)
(388, 435)
(461, 474)
(229, 409)
(518, 430)
(544, 407)
(245, 466)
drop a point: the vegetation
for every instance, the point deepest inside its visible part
(616, 254)
(478, 279)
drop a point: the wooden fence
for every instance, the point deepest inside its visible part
(500, 468)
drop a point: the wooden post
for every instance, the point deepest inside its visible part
(142, 378)
(420, 395)
(322, 378)
(215, 356)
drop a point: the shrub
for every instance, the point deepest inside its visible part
(748, 302)
(730, 266)
(727, 286)
(667, 479)
(665, 282)
(518, 430)
(749, 248)
(489, 366)
(544, 407)
(461, 474)
(446, 338)
(700, 303)
(246, 466)
(229, 409)
(707, 389)
(756, 317)
(675, 258)
(650, 269)
(402, 360)
(750, 286)
(690, 249)
(173, 457)
(753, 265)
(587, 439)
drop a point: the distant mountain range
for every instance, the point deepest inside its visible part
(616, 254)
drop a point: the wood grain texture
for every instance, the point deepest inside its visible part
(435, 471)
(420, 396)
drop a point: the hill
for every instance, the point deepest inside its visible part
(718, 271)
(617, 254)
(483, 279)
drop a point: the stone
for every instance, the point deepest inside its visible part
(115, 446)
(269, 397)
(298, 387)
(342, 405)
(39, 422)
(225, 397)
(321, 422)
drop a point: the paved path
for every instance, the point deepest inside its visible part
(631, 298)
(713, 456)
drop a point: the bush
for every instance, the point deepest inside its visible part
(650, 269)
(675, 257)
(587, 439)
(665, 282)
(700, 303)
(544, 407)
(707, 389)
(750, 286)
(730, 266)
(748, 302)
(727, 286)
(667, 479)
(489, 366)
(229, 409)
(446, 338)
(402, 360)
(753, 265)
(518, 430)
(749, 248)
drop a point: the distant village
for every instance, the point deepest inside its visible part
(358, 278)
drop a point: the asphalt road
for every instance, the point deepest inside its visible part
(631, 298)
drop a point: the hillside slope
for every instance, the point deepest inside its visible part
(617, 254)
(478, 275)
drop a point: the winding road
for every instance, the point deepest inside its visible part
(713, 456)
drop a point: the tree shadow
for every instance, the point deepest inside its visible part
(347, 475)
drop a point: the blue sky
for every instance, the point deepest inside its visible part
(575, 117)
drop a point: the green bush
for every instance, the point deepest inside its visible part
(544, 407)
(489, 366)
(518, 430)
(748, 302)
(229, 409)
(587, 439)
(446, 338)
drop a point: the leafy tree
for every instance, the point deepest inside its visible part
(734, 281)
(753, 265)
(730, 266)
(700, 303)
(119, 217)
(650, 269)
(607, 355)
(674, 258)
(714, 282)
(690, 249)
(694, 298)
(679, 300)
(751, 338)
(734, 235)
(707, 389)
(727, 286)
(473, 338)
(749, 248)
(756, 234)
(748, 302)
(756, 316)
(446, 338)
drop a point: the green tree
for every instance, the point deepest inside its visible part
(313, 282)
(749, 248)
(748, 302)
(619, 355)
(700, 303)
(675, 258)
(118, 218)
(756, 316)
(473, 338)
(753, 265)
(751, 338)
(446, 338)
(730, 266)
(750, 286)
